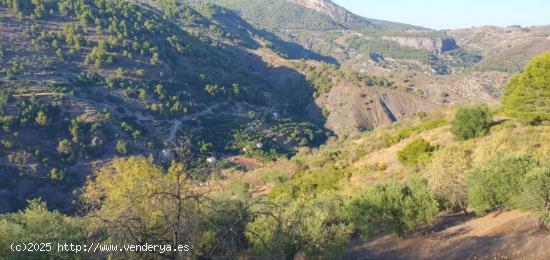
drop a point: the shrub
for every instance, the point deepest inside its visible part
(447, 175)
(65, 148)
(498, 182)
(309, 183)
(319, 228)
(536, 192)
(7, 122)
(5, 98)
(471, 122)
(7, 144)
(527, 95)
(415, 152)
(56, 174)
(42, 119)
(121, 147)
(408, 131)
(401, 208)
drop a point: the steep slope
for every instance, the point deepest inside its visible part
(351, 20)
(497, 235)
(347, 167)
(411, 58)
(312, 23)
(84, 83)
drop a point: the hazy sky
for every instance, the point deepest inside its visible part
(445, 14)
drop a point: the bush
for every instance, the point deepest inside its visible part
(498, 182)
(527, 95)
(447, 175)
(121, 147)
(401, 208)
(536, 192)
(42, 119)
(65, 148)
(415, 152)
(319, 228)
(407, 132)
(471, 122)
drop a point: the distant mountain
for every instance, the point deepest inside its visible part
(351, 20)
(506, 49)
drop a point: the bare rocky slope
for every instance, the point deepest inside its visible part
(429, 69)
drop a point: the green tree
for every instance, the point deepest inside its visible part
(65, 148)
(155, 59)
(59, 53)
(471, 122)
(527, 95)
(56, 174)
(42, 119)
(38, 225)
(7, 123)
(137, 202)
(4, 99)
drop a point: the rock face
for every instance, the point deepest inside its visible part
(354, 108)
(334, 11)
(436, 45)
(326, 7)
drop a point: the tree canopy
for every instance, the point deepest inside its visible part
(527, 95)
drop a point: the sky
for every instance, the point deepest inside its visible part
(445, 14)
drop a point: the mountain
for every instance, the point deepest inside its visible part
(350, 20)
(84, 83)
(505, 49)
(427, 69)
(285, 129)
(218, 78)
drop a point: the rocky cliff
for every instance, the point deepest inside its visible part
(335, 12)
(436, 45)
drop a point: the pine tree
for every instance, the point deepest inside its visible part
(527, 95)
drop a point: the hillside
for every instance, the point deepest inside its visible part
(281, 129)
(428, 69)
(506, 49)
(346, 167)
(498, 235)
(172, 79)
(81, 87)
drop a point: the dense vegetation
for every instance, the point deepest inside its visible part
(90, 80)
(389, 49)
(281, 15)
